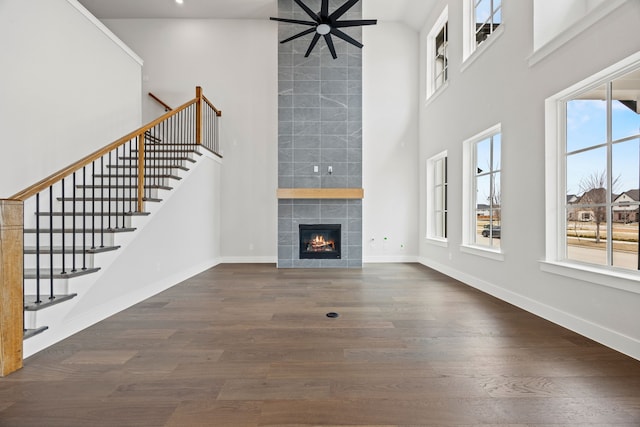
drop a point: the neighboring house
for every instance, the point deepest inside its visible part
(626, 207)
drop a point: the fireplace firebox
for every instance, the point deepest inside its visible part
(320, 241)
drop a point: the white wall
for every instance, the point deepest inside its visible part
(179, 239)
(501, 87)
(390, 142)
(235, 62)
(66, 89)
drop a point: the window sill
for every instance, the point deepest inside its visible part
(600, 276)
(436, 241)
(479, 50)
(436, 94)
(482, 251)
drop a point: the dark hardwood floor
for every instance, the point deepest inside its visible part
(250, 345)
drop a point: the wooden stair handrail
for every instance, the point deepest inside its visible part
(63, 173)
(218, 112)
(161, 102)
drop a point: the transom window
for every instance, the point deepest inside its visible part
(487, 17)
(438, 54)
(602, 174)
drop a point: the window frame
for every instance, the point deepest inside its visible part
(470, 49)
(555, 186)
(469, 200)
(432, 184)
(441, 23)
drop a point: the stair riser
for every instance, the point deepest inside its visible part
(103, 193)
(30, 239)
(60, 286)
(119, 206)
(116, 222)
(45, 261)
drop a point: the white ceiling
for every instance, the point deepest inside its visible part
(411, 12)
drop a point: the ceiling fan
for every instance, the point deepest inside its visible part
(325, 24)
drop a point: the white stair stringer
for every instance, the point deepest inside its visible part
(178, 239)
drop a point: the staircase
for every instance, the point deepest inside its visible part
(79, 228)
(76, 221)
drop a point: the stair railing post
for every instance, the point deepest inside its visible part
(198, 115)
(11, 285)
(141, 162)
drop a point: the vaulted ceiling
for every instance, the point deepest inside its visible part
(411, 12)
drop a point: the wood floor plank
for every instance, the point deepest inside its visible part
(250, 345)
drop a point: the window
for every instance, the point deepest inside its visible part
(602, 169)
(482, 197)
(482, 18)
(437, 197)
(438, 54)
(592, 178)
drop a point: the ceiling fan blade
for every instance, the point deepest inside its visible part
(332, 49)
(342, 24)
(346, 37)
(294, 21)
(343, 9)
(312, 45)
(304, 33)
(310, 12)
(324, 11)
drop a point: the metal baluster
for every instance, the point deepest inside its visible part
(73, 227)
(93, 205)
(51, 243)
(38, 249)
(64, 270)
(84, 218)
(101, 201)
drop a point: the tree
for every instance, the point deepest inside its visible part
(594, 189)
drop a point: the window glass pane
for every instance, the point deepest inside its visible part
(586, 123)
(439, 224)
(626, 169)
(497, 154)
(585, 171)
(439, 198)
(582, 244)
(625, 108)
(438, 172)
(483, 192)
(497, 16)
(483, 156)
(495, 192)
(625, 237)
(495, 228)
(483, 11)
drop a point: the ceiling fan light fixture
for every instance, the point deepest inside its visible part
(325, 24)
(323, 29)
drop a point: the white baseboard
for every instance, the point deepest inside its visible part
(622, 343)
(377, 259)
(249, 260)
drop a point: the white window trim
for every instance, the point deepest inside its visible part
(471, 51)
(431, 38)
(468, 196)
(574, 30)
(436, 240)
(555, 184)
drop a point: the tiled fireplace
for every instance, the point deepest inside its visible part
(319, 141)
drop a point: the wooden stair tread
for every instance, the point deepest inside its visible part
(28, 333)
(32, 250)
(78, 231)
(106, 199)
(135, 176)
(30, 303)
(172, 166)
(30, 273)
(100, 187)
(77, 213)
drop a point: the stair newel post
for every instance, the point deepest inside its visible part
(11, 285)
(198, 115)
(141, 155)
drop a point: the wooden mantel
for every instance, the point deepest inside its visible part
(320, 193)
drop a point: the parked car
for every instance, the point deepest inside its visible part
(494, 231)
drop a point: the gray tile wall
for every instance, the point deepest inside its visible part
(319, 125)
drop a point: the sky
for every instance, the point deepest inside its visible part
(587, 129)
